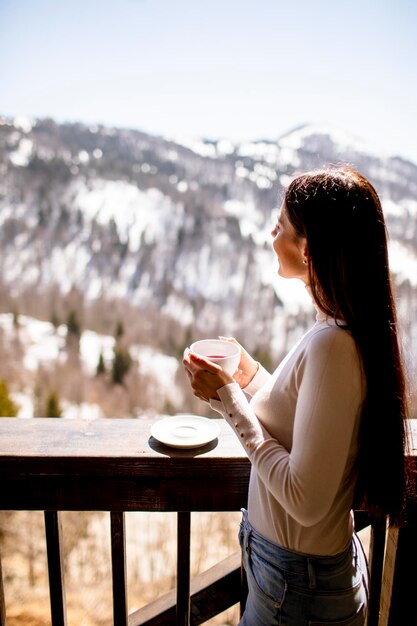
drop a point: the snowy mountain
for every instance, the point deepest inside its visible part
(178, 230)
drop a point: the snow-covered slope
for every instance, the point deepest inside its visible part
(179, 228)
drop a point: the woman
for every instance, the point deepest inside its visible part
(325, 432)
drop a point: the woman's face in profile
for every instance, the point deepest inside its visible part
(291, 250)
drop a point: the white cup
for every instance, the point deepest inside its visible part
(224, 353)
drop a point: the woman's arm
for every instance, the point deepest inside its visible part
(305, 479)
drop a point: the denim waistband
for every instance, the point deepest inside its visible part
(306, 566)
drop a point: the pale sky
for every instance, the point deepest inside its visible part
(216, 69)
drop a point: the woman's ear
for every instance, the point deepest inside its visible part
(304, 250)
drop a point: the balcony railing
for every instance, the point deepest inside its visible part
(115, 465)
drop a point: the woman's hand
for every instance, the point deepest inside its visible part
(205, 377)
(247, 367)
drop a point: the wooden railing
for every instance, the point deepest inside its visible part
(110, 465)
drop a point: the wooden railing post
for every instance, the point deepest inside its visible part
(376, 563)
(53, 534)
(388, 575)
(183, 568)
(402, 609)
(118, 559)
(2, 600)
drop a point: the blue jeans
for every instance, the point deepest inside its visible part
(288, 588)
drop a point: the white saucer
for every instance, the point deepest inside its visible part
(185, 431)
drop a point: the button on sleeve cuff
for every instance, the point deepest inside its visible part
(242, 419)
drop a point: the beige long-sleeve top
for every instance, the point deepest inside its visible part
(300, 431)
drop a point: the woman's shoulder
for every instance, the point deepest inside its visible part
(331, 337)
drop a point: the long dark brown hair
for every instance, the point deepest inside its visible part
(339, 213)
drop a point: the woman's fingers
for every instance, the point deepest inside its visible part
(205, 377)
(193, 363)
(230, 340)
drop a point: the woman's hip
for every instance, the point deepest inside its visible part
(288, 587)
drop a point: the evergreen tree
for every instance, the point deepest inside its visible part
(55, 320)
(73, 333)
(73, 324)
(7, 407)
(101, 367)
(122, 362)
(52, 405)
(120, 330)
